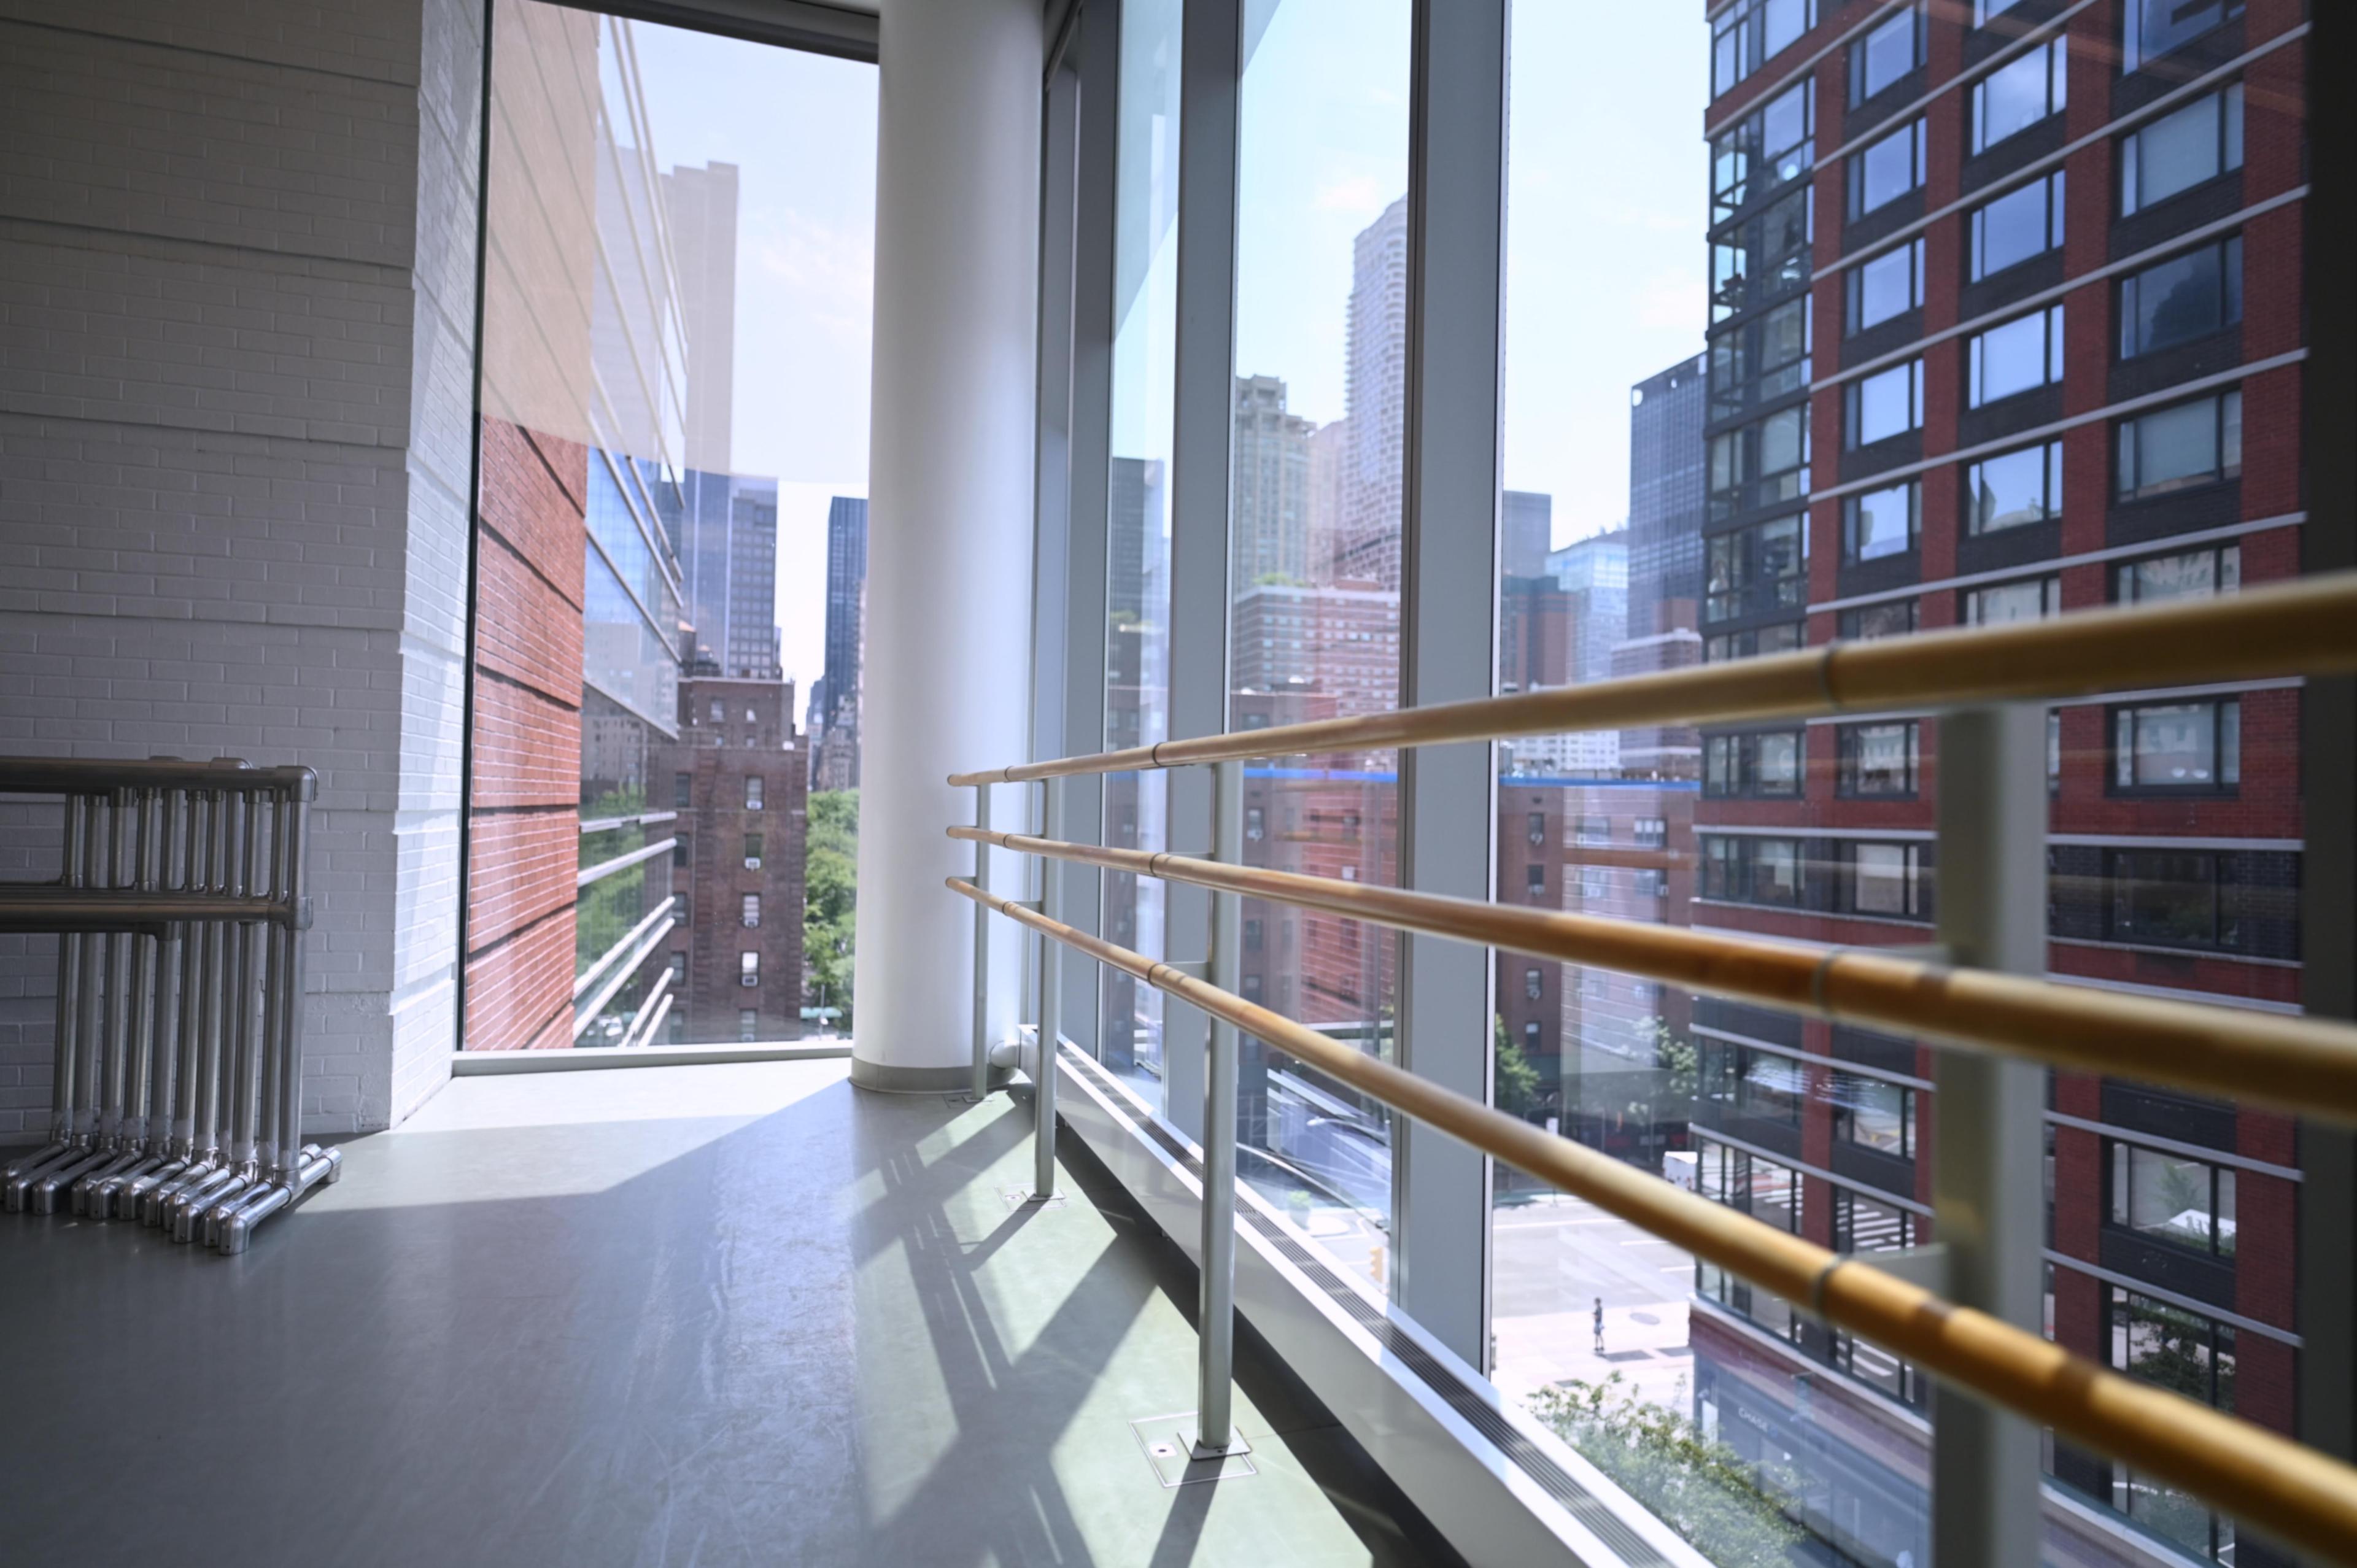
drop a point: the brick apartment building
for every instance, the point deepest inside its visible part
(2005, 311)
(740, 782)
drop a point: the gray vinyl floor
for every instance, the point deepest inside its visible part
(678, 1316)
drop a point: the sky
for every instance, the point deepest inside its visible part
(1605, 258)
(802, 130)
(1606, 210)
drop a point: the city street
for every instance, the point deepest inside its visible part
(1555, 1255)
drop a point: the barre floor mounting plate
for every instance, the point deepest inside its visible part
(1169, 1445)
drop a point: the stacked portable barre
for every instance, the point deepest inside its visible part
(178, 1089)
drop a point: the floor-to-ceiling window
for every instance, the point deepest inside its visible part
(670, 536)
(1138, 512)
(1314, 571)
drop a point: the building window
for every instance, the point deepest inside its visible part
(718, 713)
(2184, 1352)
(2016, 226)
(678, 968)
(750, 912)
(2032, 598)
(1887, 286)
(1760, 765)
(1886, 879)
(680, 857)
(752, 792)
(1885, 54)
(1255, 823)
(1768, 1087)
(1749, 870)
(2183, 148)
(2014, 488)
(1886, 403)
(1784, 637)
(1534, 984)
(1595, 883)
(1984, 9)
(1534, 881)
(1766, 151)
(1872, 1115)
(2164, 1197)
(1251, 988)
(2172, 898)
(752, 852)
(1757, 569)
(2178, 748)
(682, 791)
(1652, 833)
(749, 969)
(748, 1026)
(1765, 358)
(1537, 827)
(2182, 298)
(2193, 444)
(1591, 831)
(1760, 463)
(1887, 169)
(2023, 354)
(1878, 761)
(1881, 523)
(1893, 618)
(2189, 574)
(2154, 27)
(1762, 258)
(1254, 934)
(1750, 33)
(2018, 94)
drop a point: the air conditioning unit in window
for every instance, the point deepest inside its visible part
(752, 921)
(752, 863)
(750, 979)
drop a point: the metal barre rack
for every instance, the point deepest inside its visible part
(177, 1092)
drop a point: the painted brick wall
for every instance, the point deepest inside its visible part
(237, 272)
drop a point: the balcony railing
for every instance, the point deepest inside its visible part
(1994, 802)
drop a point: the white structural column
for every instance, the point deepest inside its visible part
(950, 513)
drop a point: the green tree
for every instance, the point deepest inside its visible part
(829, 898)
(1517, 1079)
(1703, 1490)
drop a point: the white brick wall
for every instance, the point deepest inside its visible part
(236, 309)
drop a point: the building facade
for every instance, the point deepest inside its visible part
(834, 705)
(2006, 305)
(738, 783)
(1268, 516)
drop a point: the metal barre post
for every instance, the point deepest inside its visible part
(1216, 1320)
(982, 949)
(1043, 1082)
(1987, 1199)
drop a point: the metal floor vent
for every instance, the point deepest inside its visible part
(1484, 1417)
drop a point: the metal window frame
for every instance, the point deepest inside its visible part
(1451, 492)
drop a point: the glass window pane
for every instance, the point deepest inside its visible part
(1887, 170)
(631, 168)
(2009, 490)
(1320, 366)
(1137, 586)
(1885, 55)
(2016, 226)
(2016, 96)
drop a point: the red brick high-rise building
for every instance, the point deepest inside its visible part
(2005, 321)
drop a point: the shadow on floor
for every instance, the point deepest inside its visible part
(813, 1334)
